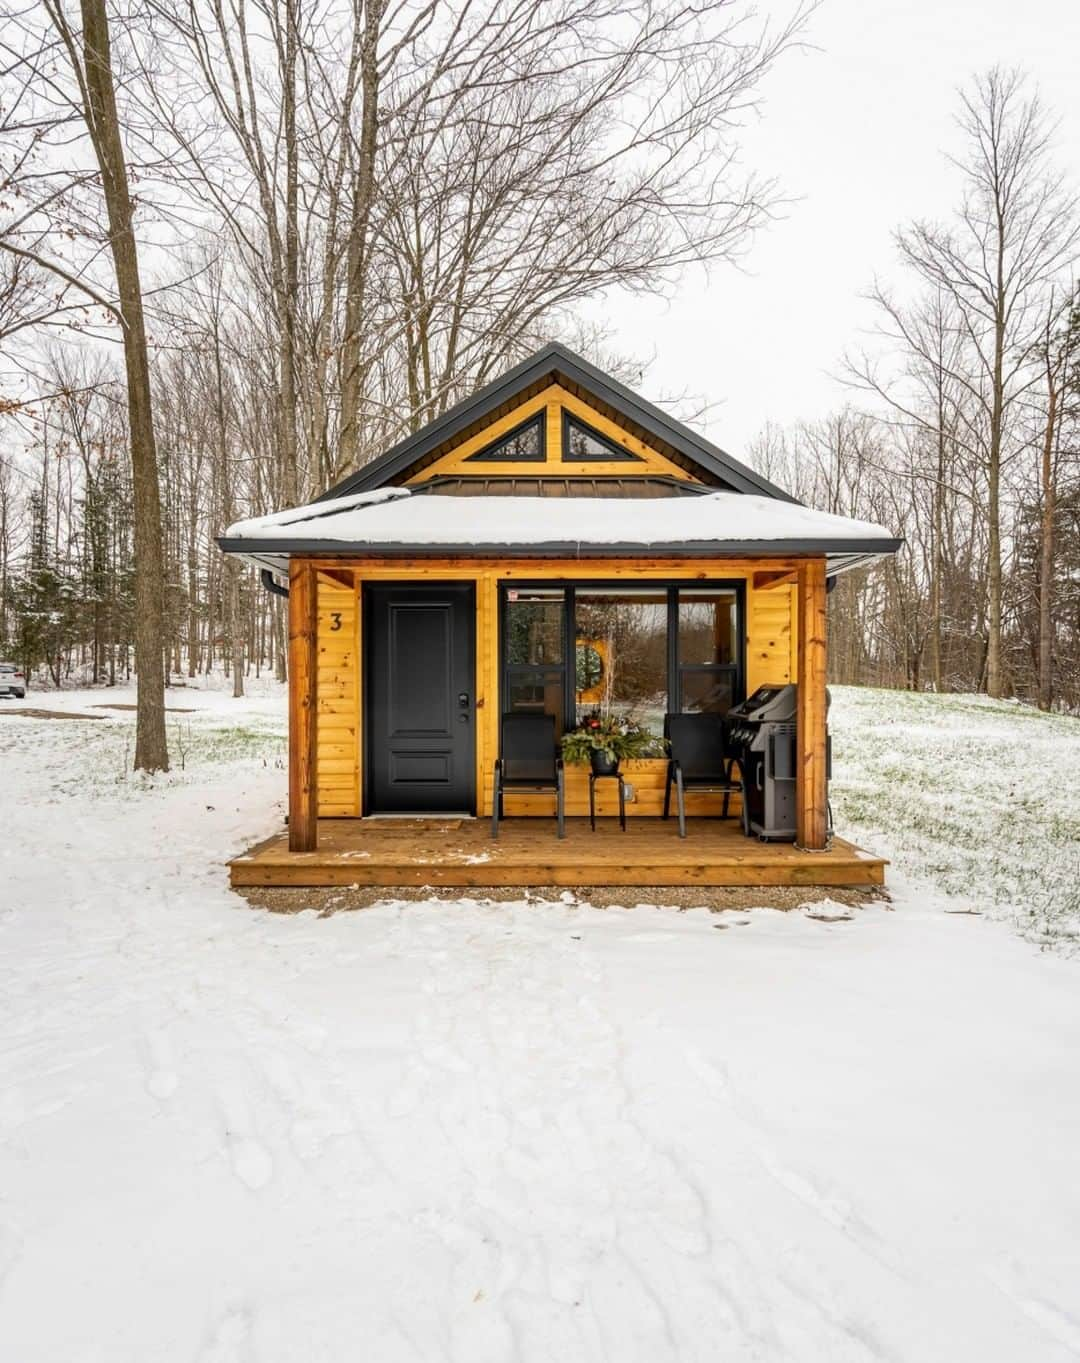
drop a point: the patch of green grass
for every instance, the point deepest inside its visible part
(75, 758)
(978, 796)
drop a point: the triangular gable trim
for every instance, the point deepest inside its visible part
(555, 362)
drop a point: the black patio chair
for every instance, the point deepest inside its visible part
(529, 760)
(698, 761)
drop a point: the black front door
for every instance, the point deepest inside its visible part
(419, 645)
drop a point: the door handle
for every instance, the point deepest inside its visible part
(463, 699)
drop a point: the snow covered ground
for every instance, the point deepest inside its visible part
(974, 798)
(501, 1132)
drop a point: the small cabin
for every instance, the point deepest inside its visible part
(552, 545)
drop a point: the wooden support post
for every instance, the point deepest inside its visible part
(303, 706)
(811, 811)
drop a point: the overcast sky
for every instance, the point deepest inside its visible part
(856, 131)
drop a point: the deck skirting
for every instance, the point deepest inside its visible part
(461, 852)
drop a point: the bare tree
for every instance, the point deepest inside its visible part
(927, 390)
(1016, 231)
(533, 161)
(86, 51)
(423, 189)
(1059, 358)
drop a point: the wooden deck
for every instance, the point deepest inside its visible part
(461, 852)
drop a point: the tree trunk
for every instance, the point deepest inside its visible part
(356, 257)
(993, 514)
(193, 605)
(151, 750)
(993, 500)
(936, 531)
(236, 629)
(1046, 553)
(288, 300)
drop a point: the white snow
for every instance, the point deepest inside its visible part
(314, 511)
(978, 798)
(723, 517)
(501, 1132)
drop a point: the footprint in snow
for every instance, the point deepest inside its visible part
(837, 1212)
(316, 1117)
(161, 1079)
(251, 1161)
(1054, 1322)
(230, 1339)
(11, 1244)
(714, 1077)
(403, 1101)
(310, 1035)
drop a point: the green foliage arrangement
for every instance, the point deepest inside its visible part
(620, 738)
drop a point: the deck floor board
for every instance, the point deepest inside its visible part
(461, 851)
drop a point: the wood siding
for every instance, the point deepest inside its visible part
(339, 734)
(771, 635)
(770, 658)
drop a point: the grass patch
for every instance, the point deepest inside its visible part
(975, 795)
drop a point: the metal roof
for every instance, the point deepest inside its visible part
(455, 485)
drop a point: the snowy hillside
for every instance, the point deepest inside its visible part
(502, 1132)
(978, 798)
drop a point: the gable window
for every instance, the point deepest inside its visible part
(636, 651)
(524, 444)
(581, 441)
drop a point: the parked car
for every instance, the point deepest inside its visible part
(12, 681)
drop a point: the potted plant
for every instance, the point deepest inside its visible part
(605, 740)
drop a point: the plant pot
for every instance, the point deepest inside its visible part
(603, 763)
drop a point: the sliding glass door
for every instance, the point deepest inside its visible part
(634, 651)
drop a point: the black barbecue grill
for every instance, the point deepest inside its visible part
(761, 737)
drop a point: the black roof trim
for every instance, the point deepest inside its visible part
(563, 549)
(551, 359)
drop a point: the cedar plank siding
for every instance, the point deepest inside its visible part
(770, 658)
(770, 621)
(338, 761)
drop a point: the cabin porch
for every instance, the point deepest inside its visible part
(461, 852)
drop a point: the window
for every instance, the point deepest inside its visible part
(582, 442)
(534, 626)
(621, 653)
(524, 444)
(708, 648)
(534, 651)
(635, 651)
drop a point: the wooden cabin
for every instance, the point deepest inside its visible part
(549, 543)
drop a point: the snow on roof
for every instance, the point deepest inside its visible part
(391, 516)
(306, 514)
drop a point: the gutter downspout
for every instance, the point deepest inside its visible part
(266, 577)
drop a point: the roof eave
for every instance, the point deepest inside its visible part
(572, 549)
